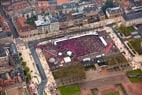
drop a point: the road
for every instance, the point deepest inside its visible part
(39, 67)
(10, 23)
(37, 62)
(31, 57)
(51, 84)
(43, 83)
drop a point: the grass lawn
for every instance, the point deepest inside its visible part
(70, 90)
(126, 30)
(135, 75)
(136, 45)
(113, 93)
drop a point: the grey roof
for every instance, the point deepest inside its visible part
(90, 9)
(78, 16)
(101, 13)
(14, 49)
(133, 15)
(5, 34)
(68, 6)
(114, 10)
(2, 52)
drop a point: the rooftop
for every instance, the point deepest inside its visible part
(5, 34)
(2, 52)
(4, 24)
(10, 74)
(114, 10)
(21, 21)
(10, 78)
(59, 2)
(43, 5)
(42, 20)
(90, 9)
(17, 5)
(133, 15)
(15, 91)
(24, 24)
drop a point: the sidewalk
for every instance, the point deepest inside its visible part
(27, 57)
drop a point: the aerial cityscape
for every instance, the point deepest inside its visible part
(70, 47)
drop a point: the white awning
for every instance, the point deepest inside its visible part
(67, 59)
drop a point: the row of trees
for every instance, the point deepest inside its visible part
(27, 71)
(73, 73)
(137, 45)
(116, 59)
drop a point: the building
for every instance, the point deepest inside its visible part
(101, 15)
(6, 37)
(4, 24)
(36, 26)
(60, 2)
(44, 19)
(137, 3)
(113, 12)
(5, 2)
(42, 5)
(132, 18)
(15, 7)
(4, 57)
(5, 32)
(10, 74)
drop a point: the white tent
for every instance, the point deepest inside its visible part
(60, 54)
(67, 59)
(52, 60)
(87, 59)
(69, 53)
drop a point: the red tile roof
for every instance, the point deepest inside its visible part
(18, 5)
(1, 19)
(62, 1)
(43, 5)
(4, 24)
(22, 25)
(21, 22)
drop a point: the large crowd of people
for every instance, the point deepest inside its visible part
(81, 46)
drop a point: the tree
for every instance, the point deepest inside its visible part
(21, 59)
(31, 20)
(20, 54)
(26, 70)
(73, 72)
(27, 73)
(24, 63)
(126, 30)
(137, 45)
(28, 77)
